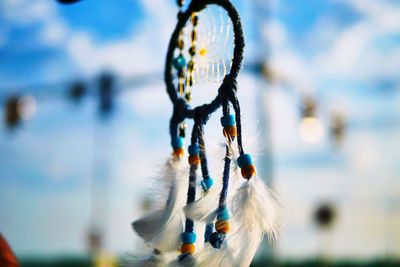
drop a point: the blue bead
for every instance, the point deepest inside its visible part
(179, 62)
(244, 160)
(188, 238)
(223, 214)
(177, 142)
(216, 239)
(228, 120)
(207, 183)
(194, 149)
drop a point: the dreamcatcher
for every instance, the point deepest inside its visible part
(225, 223)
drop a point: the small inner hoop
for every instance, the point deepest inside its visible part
(225, 65)
(214, 45)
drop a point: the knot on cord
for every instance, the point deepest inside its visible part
(228, 89)
(181, 109)
(201, 114)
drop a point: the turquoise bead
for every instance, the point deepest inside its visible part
(207, 183)
(188, 238)
(194, 149)
(223, 214)
(244, 160)
(228, 120)
(177, 142)
(179, 62)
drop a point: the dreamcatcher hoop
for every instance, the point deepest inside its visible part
(228, 88)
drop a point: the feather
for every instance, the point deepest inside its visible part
(203, 209)
(257, 211)
(161, 229)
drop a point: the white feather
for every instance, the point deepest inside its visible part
(161, 229)
(204, 209)
(257, 212)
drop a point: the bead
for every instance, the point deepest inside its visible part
(191, 65)
(190, 80)
(192, 50)
(179, 152)
(194, 160)
(194, 149)
(223, 214)
(187, 248)
(244, 160)
(181, 44)
(188, 96)
(216, 239)
(195, 19)
(230, 131)
(177, 142)
(188, 238)
(194, 36)
(248, 171)
(222, 226)
(181, 74)
(207, 183)
(208, 232)
(228, 120)
(179, 62)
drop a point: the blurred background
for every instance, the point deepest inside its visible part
(85, 125)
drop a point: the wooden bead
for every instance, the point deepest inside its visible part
(248, 171)
(190, 80)
(179, 152)
(192, 50)
(194, 160)
(194, 36)
(188, 249)
(222, 227)
(230, 131)
(191, 65)
(195, 19)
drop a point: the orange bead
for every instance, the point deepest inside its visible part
(188, 249)
(179, 152)
(230, 131)
(222, 227)
(248, 171)
(194, 160)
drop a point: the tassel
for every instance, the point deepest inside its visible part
(162, 228)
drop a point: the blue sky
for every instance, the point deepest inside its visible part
(346, 53)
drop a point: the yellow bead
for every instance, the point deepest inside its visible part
(248, 171)
(194, 160)
(188, 249)
(222, 227)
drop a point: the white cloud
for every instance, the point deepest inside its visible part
(274, 33)
(25, 12)
(354, 53)
(54, 33)
(141, 52)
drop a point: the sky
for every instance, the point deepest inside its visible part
(345, 53)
